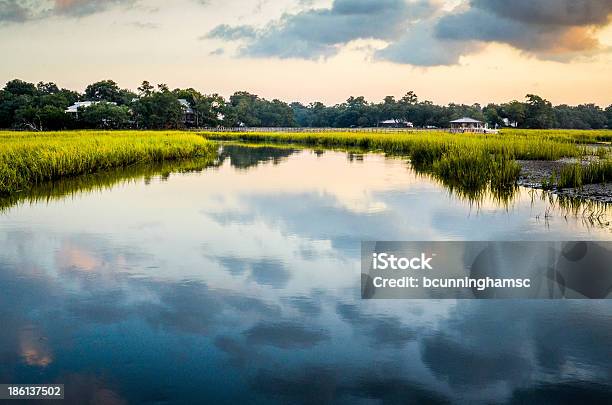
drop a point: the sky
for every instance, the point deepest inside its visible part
(463, 51)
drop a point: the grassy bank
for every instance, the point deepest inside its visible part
(563, 135)
(427, 147)
(470, 164)
(578, 175)
(104, 180)
(28, 159)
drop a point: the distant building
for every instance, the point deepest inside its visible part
(467, 124)
(395, 124)
(189, 117)
(509, 123)
(79, 105)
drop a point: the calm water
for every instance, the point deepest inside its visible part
(241, 282)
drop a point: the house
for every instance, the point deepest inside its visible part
(189, 117)
(509, 123)
(467, 124)
(395, 124)
(79, 105)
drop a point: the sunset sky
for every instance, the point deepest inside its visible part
(305, 50)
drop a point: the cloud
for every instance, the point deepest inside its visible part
(550, 12)
(420, 47)
(17, 11)
(547, 29)
(13, 11)
(81, 8)
(316, 33)
(145, 25)
(229, 33)
(422, 33)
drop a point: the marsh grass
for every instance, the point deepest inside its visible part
(470, 165)
(562, 135)
(28, 159)
(424, 146)
(104, 180)
(577, 175)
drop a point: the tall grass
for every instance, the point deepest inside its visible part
(28, 159)
(469, 164)
(422, 146)
(578, 175)
(105, 180)
(562, 135)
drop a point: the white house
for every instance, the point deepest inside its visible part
(395, 124)
(509, 123)
(74, 108)
(467, 124)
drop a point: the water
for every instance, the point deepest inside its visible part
(241, 283)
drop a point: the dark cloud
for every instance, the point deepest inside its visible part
(419, 33)
(550, 12)
(81, 8)
(21, 11)
(546, 28)
(419, 46)
(230, 33)
(316, 33)
(13, 11)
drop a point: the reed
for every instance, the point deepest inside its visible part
(424, 146)
(578, 175)
(28, 159)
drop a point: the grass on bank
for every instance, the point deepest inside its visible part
(429, 146)
(469, 164)
(104, 180)
(28, 159)
(578, 175)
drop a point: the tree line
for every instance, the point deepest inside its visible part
(43, 106)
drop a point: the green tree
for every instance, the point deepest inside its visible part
(104, 115)
(105, 90)
(145, 89)
(492, 115)
(539, 113)
(515, 111)
(158, 109)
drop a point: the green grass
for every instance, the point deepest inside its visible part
(28, 159)
(578, 175)
(468, 164)
(425, 146)
(563, 135)
(104, 180)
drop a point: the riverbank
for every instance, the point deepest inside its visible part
(546, 175)
(28, 159)
(472, 164)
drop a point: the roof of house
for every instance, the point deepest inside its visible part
(395, 122)
(81, 104)
(186, 106)
(466, 120)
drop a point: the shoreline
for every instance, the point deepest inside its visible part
(535, 173)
